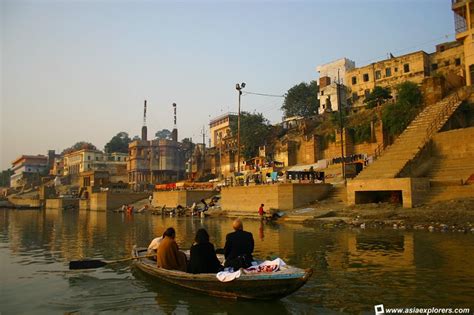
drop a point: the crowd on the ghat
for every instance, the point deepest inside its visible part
(238, 251)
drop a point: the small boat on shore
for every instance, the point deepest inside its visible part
(257, 286)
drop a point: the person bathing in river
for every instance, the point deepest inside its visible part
(261, 212)
(203, 257)
(169, 256)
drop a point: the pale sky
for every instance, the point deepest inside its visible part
(80, 70)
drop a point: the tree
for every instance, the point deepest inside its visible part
(79, 146)
(254, 131)
(163, 134)
(118, 143)
(396, 117)
(5, 178)
(301, 100)
(377, 97)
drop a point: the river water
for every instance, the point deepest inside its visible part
(353, 269)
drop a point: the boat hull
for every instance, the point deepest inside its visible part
(262, 286)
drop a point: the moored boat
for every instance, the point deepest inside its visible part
(260, 286)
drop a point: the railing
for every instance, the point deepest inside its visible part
(435, 126)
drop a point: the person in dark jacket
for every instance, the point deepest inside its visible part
(238, 247)
(203, 256)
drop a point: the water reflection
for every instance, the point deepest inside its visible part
(353, 269)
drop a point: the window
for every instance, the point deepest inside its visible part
(366, 77)
(446, 63)
(322, 92)
(457, 61)
(118, 158)
(434, 66)
(396, 69)
(406, 68)
(355, 96)
(354, 80)
(88, 157)
(96, 158)
(388, 72)
(366, 92)
(378, 75)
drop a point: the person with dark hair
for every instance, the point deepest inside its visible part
(203, 257)
(238, 248)
(169, 256)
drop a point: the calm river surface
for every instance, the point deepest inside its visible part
(353, 269)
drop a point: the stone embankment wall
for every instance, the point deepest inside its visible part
(59, 203)
(103, 201)
(180, 197)
(277, 196)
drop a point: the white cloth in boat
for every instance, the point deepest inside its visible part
(153, 247)
(226, 276)
(266, 266)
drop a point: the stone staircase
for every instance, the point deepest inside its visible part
(414, 138)
(337, 194)
(443, 193)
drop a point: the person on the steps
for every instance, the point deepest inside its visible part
(239, 247)
(169, 256)
(203, 257)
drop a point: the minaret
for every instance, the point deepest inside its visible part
(144, 129)
(174, 133)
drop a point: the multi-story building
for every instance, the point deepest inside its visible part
(386, 73)
(82, 161)
(164, 164)
(330, 75)
(28, 169)
(464, 26)
(220, 128)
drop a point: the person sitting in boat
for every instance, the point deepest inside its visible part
(153, 247)
(169, 256)
(238, 247)
(203, 255)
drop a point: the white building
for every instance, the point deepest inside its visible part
(329, 74)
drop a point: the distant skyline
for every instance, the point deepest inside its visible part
(79, 70)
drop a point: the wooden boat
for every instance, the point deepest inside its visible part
(259, 286)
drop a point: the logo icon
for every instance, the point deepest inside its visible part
(379, 310)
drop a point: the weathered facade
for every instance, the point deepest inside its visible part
(155, 161)
(330, 75)
(28, 169)
(464, 26)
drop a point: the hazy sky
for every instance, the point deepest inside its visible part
(80, 70)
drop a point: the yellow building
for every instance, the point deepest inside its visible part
(386, 73)
(220, 128)
(464, 25)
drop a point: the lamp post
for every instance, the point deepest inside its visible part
(239, 88)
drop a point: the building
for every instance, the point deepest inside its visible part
(464, 26)
(82, 161)
(28, 170)
(220, 128)
(387, 73)
(330, 75)
(164, 164)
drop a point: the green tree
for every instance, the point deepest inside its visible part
(254, 131)
(79, 146)
(396, 117)
(163, 134)
(5, 178)
(118, 143)
(377, 97)
(301, 100)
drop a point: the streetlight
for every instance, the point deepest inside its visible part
(239, 88)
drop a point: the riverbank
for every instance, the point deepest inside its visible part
(454, 215)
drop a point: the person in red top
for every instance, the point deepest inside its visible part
(261, 212)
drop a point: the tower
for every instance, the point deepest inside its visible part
(464, 25)
(174, 133)
(144, 129)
